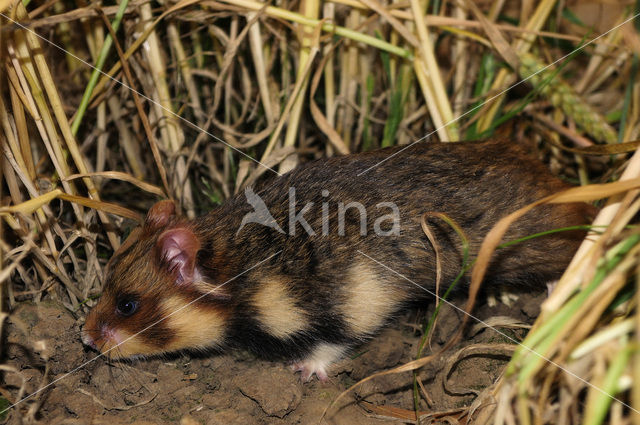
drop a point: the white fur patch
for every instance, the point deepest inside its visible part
(319, 360)
(276, 309)
(369, 300)
(193, 326)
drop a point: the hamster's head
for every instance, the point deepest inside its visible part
(155, 300)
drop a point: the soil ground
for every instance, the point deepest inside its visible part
(235, 387)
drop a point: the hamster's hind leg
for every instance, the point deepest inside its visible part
(317, 362)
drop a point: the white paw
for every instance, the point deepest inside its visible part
(317, 362)
(308, 369)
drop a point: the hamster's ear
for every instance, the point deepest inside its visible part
(177, 249)
(160, 215)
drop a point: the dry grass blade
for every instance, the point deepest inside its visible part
(390, 412)
(489, 350)
(407, 367)
(521, 46)
(32, 205)
(309, 47)
(124, 177)
(323, 122)
(143, 116)
(497, 39)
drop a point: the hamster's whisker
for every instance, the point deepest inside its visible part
(69, 332)
(112, 379)
(132, 372)
(101, 347)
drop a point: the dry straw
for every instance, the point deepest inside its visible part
(211, 86)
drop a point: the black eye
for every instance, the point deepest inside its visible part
(126, 306)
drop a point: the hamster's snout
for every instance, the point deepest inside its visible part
(87, 340)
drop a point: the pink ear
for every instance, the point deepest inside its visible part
(177, 249)
(160, 214)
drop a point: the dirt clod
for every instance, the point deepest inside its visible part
(276, 390)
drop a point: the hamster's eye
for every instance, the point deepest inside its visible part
(126, 306)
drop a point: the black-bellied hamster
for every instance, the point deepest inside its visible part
(322, 258)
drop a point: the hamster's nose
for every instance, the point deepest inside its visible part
(88, 341)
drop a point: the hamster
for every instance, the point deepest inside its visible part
(322, 258)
